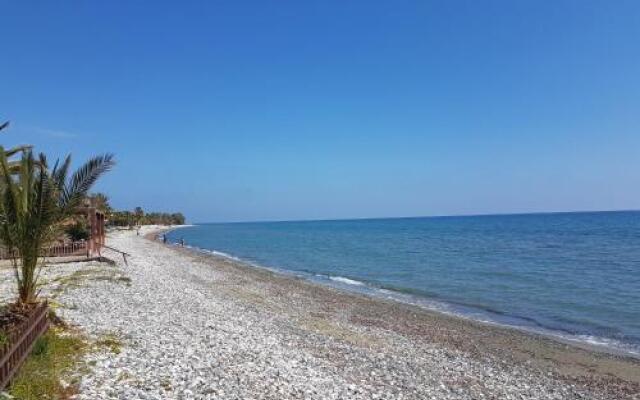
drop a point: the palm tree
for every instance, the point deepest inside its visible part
(33, 201)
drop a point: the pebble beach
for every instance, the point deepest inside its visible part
(197, 326)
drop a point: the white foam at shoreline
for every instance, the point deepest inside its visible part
(605, 344)
(347, 281)
(220, 254)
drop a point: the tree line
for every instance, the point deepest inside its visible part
(132, 218)
(136, 217)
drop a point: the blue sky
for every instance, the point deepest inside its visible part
(334, 109)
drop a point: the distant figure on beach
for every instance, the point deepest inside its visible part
(164, 239)
(182, 242)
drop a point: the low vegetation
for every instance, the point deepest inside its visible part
(81, 277)
(47, 372)
(78, 230)
(111, 342)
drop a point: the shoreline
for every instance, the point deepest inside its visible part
(575, 362)
(408, 299)
(188, 325)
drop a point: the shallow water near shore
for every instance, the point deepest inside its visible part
(571, 275)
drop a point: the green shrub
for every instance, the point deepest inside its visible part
(78, 231)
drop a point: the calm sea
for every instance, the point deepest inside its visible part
(574, 275)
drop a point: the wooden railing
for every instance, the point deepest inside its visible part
(20, 341)
(57, 250)
(124, 254)
(67, 249)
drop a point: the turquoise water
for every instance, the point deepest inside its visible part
(576, 275)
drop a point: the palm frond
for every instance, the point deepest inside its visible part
(10, 206)
(60, 172)
(18, 149)
(84, 178)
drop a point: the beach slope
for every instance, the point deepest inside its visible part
(196, 326)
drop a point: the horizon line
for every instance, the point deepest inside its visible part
(419, 216)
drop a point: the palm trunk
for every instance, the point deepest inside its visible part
(28, 284)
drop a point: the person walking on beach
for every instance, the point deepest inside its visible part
(182, 242)
(164, 239)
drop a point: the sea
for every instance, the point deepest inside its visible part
(574, 276)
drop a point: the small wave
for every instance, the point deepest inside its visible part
(238, 260)
(214, 252)
(602, 342)
(347, 281)
(469, 312)
(225, 255)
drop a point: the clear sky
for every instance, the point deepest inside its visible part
(262, 110)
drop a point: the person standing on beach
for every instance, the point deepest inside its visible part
(164, 239)
(182, 242)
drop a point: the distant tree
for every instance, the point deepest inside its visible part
(139, 217)
(138, 214)
(177, 219)
(101, 202)
(121, 218)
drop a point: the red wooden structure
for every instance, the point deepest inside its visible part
(89, 248)
(96, 221)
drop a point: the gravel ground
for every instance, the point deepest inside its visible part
(183, 325)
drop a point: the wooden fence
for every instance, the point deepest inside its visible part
(67, 249)
(20, 342)
(58, 250)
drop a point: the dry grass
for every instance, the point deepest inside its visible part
(81, 278)
(111, 342)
